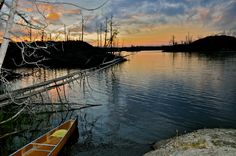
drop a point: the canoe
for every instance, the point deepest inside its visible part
(51, 143)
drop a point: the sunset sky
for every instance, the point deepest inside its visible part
(140, 22)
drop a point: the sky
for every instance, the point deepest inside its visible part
(139, 22)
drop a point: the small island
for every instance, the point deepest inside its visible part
(61, 54)
(217, 43)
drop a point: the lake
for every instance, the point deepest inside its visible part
(151, 97)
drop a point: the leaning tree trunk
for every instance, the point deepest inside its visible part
(1, 4)
(6, 36)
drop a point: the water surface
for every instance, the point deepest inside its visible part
(151, 97)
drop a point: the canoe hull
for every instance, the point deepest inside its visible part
(47, 144)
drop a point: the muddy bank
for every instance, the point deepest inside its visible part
(204, 142)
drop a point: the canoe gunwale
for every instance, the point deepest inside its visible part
(42, 144)
(64, 139)
(54, 149)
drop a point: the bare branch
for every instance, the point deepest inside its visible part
(6, 36)
(24, 19)
(13, 117)
(71, 4)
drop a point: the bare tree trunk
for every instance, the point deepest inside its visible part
(30, 34)
(105, 40)
(42, 37)
(98, 41)
(111, 32)
(65, 32)
(1, 4)
(6, 36)
(100, 35)
(82, 37)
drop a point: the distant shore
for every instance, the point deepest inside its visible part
(208, 44)
(79, 54)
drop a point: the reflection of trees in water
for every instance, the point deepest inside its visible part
(17, 133)
(214, 56)
(43, 112)
(86, 132)
(89, 140)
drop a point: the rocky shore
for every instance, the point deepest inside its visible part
(205, 142)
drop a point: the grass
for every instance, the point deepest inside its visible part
(196, 144)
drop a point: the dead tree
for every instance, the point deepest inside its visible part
(82, 29)
(105, 36)
(1, 4)
(113, 32)
(6, 36)
(172, 41)
(41, 26)
(98, 37)
(100, 44)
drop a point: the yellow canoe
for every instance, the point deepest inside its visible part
(51, 143)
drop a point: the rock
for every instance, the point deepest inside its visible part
(205, 142)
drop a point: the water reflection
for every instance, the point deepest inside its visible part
(149, 98)
(155, 94)
(28, 127)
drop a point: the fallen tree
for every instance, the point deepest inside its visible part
(22, 98)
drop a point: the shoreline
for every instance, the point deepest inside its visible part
(202, 142)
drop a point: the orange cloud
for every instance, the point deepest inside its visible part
(27, 9)
(43, 8)
(72, 11)
(1, 36)
(47, 7)
(53, 16)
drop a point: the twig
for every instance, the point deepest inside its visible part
(71, 4)
(13, 117)
(69, 110)
(11, 133)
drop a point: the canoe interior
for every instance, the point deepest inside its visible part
(46, 144)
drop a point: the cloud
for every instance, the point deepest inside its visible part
(74, 28)
(199, 15)
(139, 16)
(227, 20)
(70, 12)
(18, 31)
(53, 16)
(217, 14)
(172, 8)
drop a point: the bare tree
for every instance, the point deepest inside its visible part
(105, 36)
(6, 36)
(1, 4)
(108, 27)
(18, 97)
(41, 25)
(111, 31)
(82, 29)
(172, 41)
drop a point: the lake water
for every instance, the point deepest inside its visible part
(151, 97)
